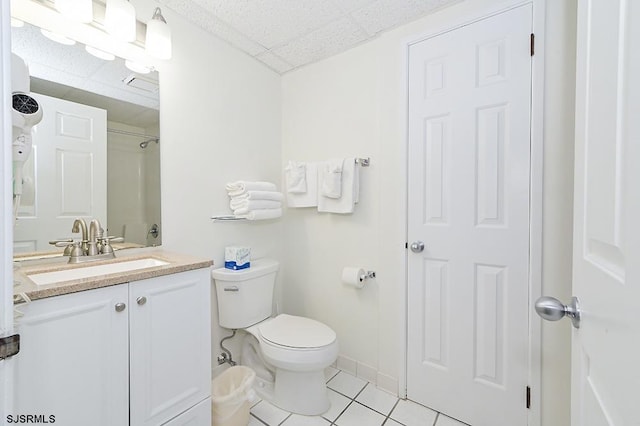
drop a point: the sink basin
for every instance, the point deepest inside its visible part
(45, 278)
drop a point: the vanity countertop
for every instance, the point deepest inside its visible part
(24, 285)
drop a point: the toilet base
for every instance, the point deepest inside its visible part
(301, 392)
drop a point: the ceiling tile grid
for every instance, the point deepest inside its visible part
(287, 34)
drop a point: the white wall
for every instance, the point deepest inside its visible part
(352, 104)
(219, 122)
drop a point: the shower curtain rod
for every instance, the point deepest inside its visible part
(140, 135)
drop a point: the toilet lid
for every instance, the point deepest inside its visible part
(297, 332)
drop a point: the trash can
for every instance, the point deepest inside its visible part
(231, 393)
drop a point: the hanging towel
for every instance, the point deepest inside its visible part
(295, 177)
(262, 214)
(244, 206)
(241, 187)
(350, 190)
(332, 178)
(310, 197)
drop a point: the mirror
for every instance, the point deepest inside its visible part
(88, 102)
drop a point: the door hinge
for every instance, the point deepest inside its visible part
(533, 44)
(528, 397)
(9, 346)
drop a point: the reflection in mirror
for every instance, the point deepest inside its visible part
(96, 151)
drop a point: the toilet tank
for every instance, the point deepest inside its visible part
(245, 296)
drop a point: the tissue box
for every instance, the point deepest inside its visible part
(237, 257)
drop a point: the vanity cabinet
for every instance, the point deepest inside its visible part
(131, 354)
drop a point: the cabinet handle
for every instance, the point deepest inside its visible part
(141, 300)
(120, 307)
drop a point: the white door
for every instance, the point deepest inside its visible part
(170, 332)
(469, 142)
(66, 175)
(73, 365)
(606, 260)
(6, 213)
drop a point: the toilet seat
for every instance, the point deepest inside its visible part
(295, 332)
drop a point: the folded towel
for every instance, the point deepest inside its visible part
(241, 187)
(332, 178)
(244, 206)
(350, 190)
(256, 195)
(262, 214)
(296, 177)
(310, 197)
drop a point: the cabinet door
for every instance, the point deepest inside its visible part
(74, 359)
(200, 415)
(170, 338)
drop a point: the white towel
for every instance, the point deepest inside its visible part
(309, 198)
(332, 178)
(244, 206)
(262, 214)
(350, 190)
(258, 195)
(241, 187)
(295, 177)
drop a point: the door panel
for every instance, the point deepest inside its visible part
(66, 175)
(606, 258)
(469, 147)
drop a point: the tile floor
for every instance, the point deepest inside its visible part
(354, 402)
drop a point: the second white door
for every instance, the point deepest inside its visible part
(469, 153)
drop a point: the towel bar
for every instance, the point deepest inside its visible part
(363, 162)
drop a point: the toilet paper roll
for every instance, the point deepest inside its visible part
(353, 276)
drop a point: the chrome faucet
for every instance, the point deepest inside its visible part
(80, 224)
(95, 246)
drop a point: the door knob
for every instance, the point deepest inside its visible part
(141, 300)
(552, 309)
(417, 246)
(120, 307)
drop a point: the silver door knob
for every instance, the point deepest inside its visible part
(120, 307)
(417, 246)
(141, 300)
(552, 309)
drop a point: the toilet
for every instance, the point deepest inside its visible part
(288, 353)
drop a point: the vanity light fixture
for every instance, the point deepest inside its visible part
(76, 10)
(137, 67)
(57, 37)
(100, 53)
(120, 20)
(158, 39)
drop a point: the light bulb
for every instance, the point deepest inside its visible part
(57, 37)
(100, 53)
(76, 10)
(158, 38)
(120, 20)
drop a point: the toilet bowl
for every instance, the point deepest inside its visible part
(288, 353)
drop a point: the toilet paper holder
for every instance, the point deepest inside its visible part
(367, 275)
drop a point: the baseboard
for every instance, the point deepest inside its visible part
(368, 373)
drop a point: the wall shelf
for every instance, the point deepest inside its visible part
(228, 218)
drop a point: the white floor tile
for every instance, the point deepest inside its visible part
(448, 421)
(269, 413)
(298, 420)
(254, 422)
(346, 384)
(329, 372)
(377, 399)
(412, 414)
(391, 422)
(338, 404)
(359, 415)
